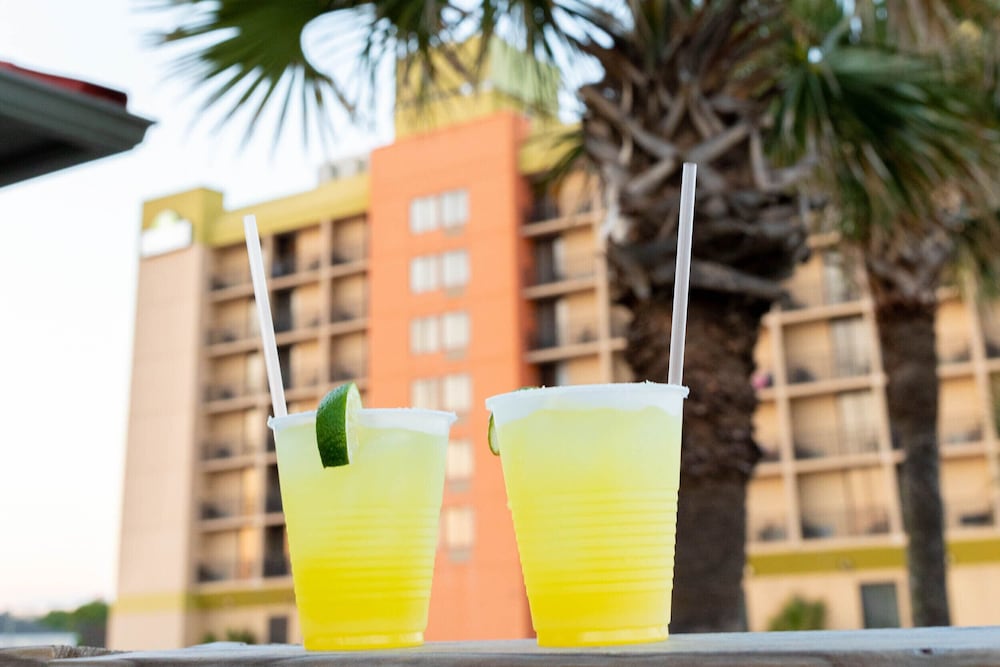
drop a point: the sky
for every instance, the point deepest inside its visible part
(68, 265)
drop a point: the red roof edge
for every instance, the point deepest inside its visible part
(73, 85)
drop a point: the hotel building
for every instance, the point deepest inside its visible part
(436, 272)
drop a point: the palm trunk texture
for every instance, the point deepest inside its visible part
(718, 451)
(906, 333)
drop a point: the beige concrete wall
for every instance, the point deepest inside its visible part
(231, 261)
(158, 492)
(840, 591)
(350, 293)
(584, 370)
(350, 352)
(248, 618)
(766, 512)
(579, 256)
(765, 424)
(973, 592)
(305, 363)
(621, 371)
(805, 287)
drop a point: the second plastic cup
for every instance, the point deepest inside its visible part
(362, 537)
(592, 474)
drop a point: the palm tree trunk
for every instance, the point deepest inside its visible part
(718, 451)
(906, 333)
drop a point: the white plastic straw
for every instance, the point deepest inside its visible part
(678, 327)
(270, 348)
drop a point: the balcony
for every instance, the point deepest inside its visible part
(225, 279)
(953, 349)
(226, 570)
(844, 522)
(766, 528)
(341, 371)
(571, 268)
(231, 332)
(226, 391)
(815, 293)
(290, 264)
(277, 565)
(960, 430)
(215, 450)
(574, 332)
(348, 253)
(346, 310)
(288, 322)
(969, 513)
(835, 442)
(225, 508)
(817, 364)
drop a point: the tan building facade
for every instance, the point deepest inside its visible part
(203, 550)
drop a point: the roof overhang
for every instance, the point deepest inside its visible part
(49, 123)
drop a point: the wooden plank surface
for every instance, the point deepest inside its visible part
(921, 646)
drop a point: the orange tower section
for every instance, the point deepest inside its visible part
(447, 327)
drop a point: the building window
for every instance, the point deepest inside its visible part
(423, 214)
(455, 268)
(459, 461)
(455, 330)
(879, 605)
(457, 393)
(277, 630)
(459, 531)
(454, 209)
(423, 274)
(424, 335)
(424, 393)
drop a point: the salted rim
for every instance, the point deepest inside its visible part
(621, 396)
(434, 422)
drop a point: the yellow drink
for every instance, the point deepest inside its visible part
(362, 537)
(592, 475)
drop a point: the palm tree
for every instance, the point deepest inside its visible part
(912, 175)
(714, 82)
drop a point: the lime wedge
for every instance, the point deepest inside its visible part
(335, 419)
(492, 437)
(491, 434)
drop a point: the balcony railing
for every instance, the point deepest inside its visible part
(272, 503)
(953, 349)
(817, 524)
(347, 370)
(286, 266)
(969, 513)
(230, 390)
(813, 293)
(226, 570)
(225, 279)
(230, 332)
(544, 208)
(573, 333)
(224, 508)
(960, 430)
(345, 310)
(820, 444)
(276, 565)
(818, 364)
(767, 528)
(581, 266)
(347, 253)
(224, 449)
(288, 322)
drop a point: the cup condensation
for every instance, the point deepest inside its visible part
(362, 537)
(592, 474)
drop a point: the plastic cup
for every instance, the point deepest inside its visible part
(592, 474)
(362, 537)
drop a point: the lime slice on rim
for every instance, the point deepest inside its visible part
(335, 419)
(491, 433)
(492, 437)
